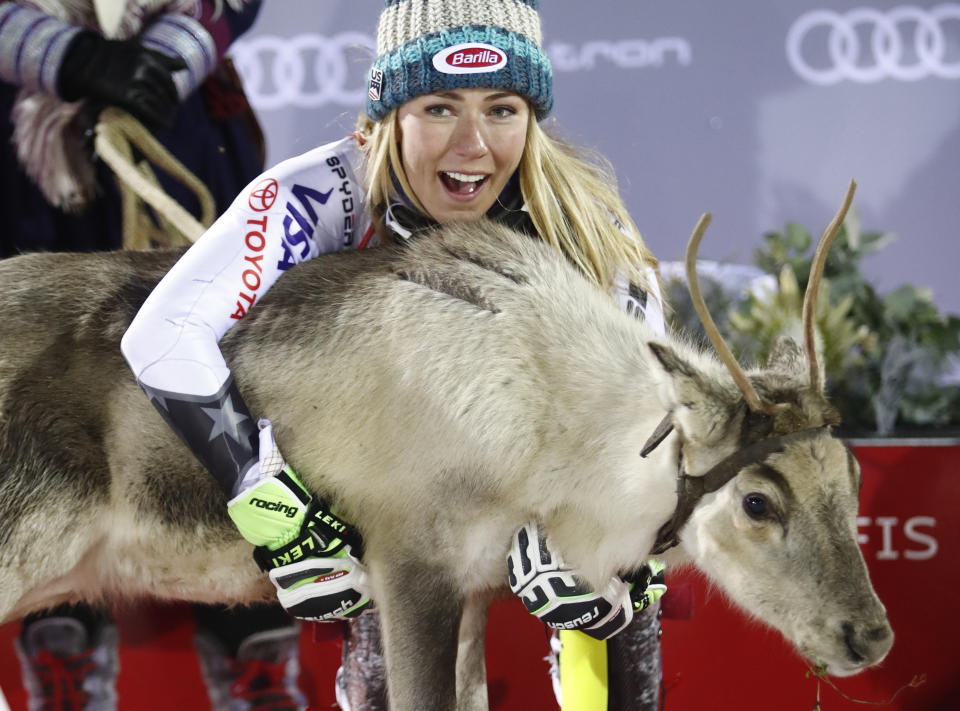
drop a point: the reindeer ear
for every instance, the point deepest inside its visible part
(672, 363)
(785, 356)
(701, 408)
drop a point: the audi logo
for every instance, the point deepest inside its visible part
(865, 45)
(305, 71)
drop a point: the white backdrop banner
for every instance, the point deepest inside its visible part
(757, 112)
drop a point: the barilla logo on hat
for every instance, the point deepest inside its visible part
(470, 58)
(376, 84)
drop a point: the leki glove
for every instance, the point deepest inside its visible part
(121, 73)
(308, 552)
(647, 584)
(551, 590)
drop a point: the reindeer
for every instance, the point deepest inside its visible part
(491, 385)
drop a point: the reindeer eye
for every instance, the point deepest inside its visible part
(755, 505)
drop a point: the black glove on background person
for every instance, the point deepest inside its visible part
(121, 73)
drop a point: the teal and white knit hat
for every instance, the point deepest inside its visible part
(432, 45)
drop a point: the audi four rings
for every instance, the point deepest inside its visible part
(905, 43)
(276, 70)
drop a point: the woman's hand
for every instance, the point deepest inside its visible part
(311, 555)
(320, 587)
(551, 590)
(121, 73)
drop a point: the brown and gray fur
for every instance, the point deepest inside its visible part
(441, 395)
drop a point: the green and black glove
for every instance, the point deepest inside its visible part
(310, 554)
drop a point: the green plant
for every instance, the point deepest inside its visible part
(886, 356)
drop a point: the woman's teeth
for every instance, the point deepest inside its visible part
(465, 177)
(462, 183)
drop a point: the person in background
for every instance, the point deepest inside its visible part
(450, 132)
(163, 62)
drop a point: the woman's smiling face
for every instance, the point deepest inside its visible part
(459, 148)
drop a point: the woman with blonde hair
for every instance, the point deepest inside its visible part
(450, 132)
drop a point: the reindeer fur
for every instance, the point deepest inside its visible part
(440, 395)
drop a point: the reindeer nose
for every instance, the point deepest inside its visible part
(868, 644)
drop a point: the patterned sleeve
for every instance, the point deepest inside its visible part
(290, 214)
(201, 41)
(32, 45)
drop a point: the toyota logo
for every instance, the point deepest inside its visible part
(306, 71)
(866, 45)
(263, 195)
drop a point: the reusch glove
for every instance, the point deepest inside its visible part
(316, 574)
(550, 589)
(305, 548)
(121, 73)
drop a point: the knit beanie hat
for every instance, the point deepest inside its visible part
(432, 45)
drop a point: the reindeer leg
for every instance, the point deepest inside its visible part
(471, 663)
(420, 608)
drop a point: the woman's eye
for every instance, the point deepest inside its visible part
(439, 110)
(504, 111)
(756, 506)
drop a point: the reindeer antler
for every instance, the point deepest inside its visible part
(813, 286)
(713, 333)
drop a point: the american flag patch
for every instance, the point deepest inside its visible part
(376, 84)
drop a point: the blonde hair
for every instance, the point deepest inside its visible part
(571, 195)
